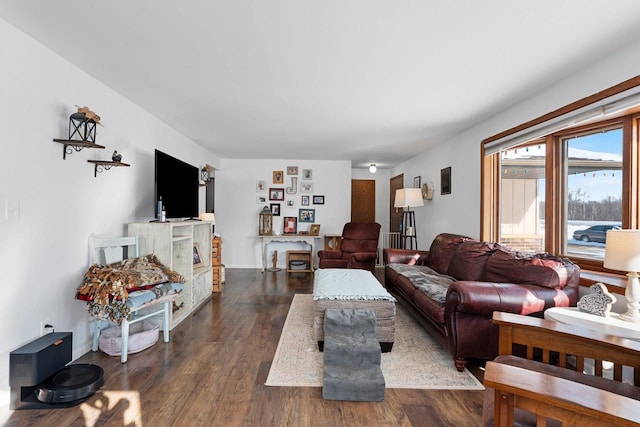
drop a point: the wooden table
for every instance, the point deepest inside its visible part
(287, 238)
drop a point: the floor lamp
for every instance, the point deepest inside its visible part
(409, 198)
(622, 252)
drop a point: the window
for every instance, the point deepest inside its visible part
(593, 188)
(522, 185)
(556, 186)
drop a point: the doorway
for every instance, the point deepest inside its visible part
(395, 215)
(363, 200)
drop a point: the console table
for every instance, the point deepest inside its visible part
(287, 238)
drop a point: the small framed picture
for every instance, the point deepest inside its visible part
(275, 209)
(318, 200)
(292, 170)
(314, 230)
(305, 201)
(261, 199)
(290, 225)
(261, 186)
(276, 194)
(445, 180)
(291, 203)
(278, 177)
(307, 174)
(197, 257)
(416, 182)
(306, 215)
(306, 187)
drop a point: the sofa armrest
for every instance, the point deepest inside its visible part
(404, 256)
(483, 298)
(324, 254)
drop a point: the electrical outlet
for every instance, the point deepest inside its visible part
(43, 327)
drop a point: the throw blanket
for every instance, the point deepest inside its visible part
(106, 288)
(348, 284)
(426, 280)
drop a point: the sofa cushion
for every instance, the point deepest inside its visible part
(505, 266)
(469, 259)
(442, 250)
(426, 280)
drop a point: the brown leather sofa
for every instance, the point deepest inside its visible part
(455, 287)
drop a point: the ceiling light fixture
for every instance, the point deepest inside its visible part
(373, 168)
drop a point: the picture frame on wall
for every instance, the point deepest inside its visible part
(306, 215)
(291, 203)
(318, 200)
(276, 194)
(314, 230)
(261, 186)
(307, 174)
(292, 170)
(445, 180)
(275, 209)
(306, 187)
(305, 201)
(416, 182)
(261, 199)
(290, 225)
(278, 177)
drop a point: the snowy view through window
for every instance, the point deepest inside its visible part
(593, 189)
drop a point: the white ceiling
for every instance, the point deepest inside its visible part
(362, 80)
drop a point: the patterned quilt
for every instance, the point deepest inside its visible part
(426, 280)
(111, 291)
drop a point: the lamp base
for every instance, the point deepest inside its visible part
(632, 294)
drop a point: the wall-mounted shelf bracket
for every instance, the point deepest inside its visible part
(102, 165)
(69, 146)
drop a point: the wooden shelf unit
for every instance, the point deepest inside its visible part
(216, 263)
(299, 256)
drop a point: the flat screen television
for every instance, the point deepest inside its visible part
(178, 184)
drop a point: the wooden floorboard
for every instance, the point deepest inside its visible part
(213, 371)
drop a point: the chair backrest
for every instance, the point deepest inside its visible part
(107, 250)
(360, 237)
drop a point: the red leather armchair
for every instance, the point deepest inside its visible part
(358, 247)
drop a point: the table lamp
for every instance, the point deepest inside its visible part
(622, 252)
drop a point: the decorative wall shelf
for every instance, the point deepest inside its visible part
(69, 145)
(102, 165)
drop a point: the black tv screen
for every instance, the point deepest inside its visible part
(178, 184)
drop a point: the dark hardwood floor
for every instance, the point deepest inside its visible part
(213, 371)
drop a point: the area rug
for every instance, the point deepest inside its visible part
(417, 361)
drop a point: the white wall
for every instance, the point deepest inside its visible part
(459, 212)
(44, 253)
(237, 210)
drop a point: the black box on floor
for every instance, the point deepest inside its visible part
(34, 362)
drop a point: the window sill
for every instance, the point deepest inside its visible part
(615, 283)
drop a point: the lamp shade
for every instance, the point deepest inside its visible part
(408, 197)
(204, 216)
(622, 250)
